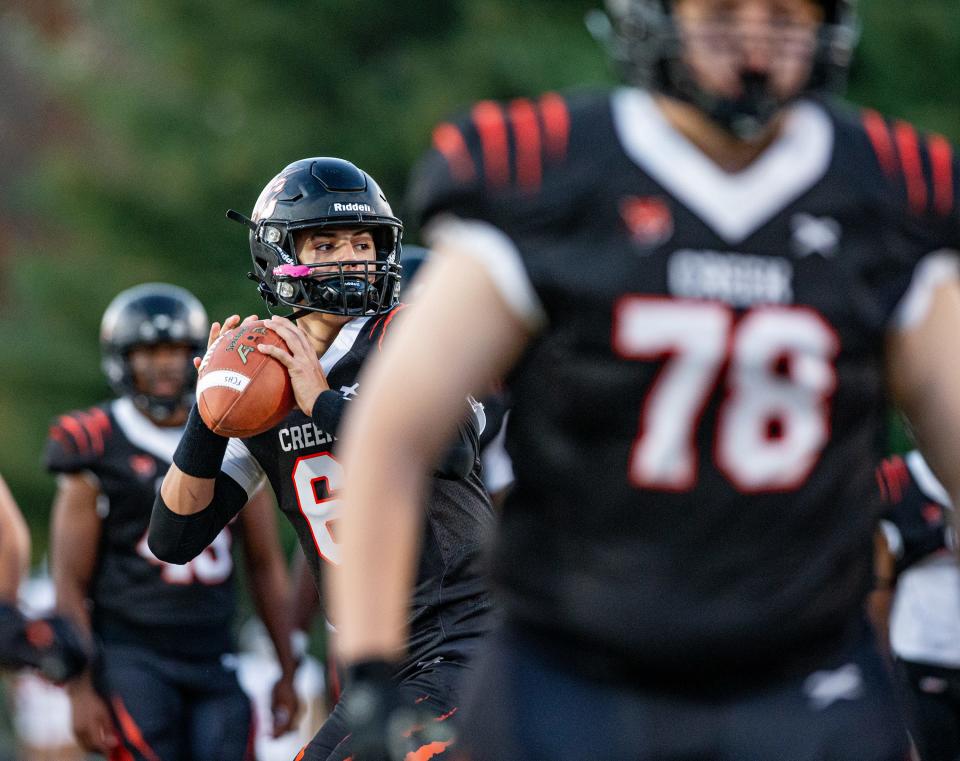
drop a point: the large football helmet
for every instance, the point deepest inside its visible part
(324, 193)
(646, 42)
(148, 315)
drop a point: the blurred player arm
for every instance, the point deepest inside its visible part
(406, 400)
(14, 545)
(923, 374)
(880, 599)
(208, 483)
(75, 532)
(269, 587)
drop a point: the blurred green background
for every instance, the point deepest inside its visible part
(128, 128)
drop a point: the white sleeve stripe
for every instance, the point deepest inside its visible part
(242, 466)
(499, 255)
(933, 270)
(893, 536)
(929, 484)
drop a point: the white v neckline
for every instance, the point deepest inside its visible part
(734, 205)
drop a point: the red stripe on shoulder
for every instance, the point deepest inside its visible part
(897, 477)
(908, 146)
(449, 140)
(97, 425)
(492, 127)
(526, 131)
(941, 163)
(386, 324)
(880, 138)
(76, 431)
(556, 125)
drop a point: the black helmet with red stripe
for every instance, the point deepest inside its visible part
(325, 193)
(149, 315)
(648, 43)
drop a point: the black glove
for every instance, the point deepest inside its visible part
(383, 726)
(50, 645)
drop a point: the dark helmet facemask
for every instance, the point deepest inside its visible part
(322, 193)
(644, 40)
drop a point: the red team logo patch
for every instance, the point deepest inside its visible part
(648, 219)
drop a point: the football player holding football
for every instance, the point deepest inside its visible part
(703, 289)
(50, 645)
(164, 684)
(326, 247)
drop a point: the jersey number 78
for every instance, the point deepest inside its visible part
(775, 366)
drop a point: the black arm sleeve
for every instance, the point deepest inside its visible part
(328, 411)
(176, 538)
(462, 455)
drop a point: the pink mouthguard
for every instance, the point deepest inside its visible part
(292, 270)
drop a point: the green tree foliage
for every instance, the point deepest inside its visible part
(180, 110)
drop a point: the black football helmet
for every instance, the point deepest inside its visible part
(148, 315)
(326, 193)
(646, 44)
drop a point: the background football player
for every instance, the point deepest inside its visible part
(924, 624)
(49, 644)
(707, 287)
(164, 684)
(325, 244)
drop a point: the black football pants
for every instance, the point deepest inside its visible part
(169, 709)
(526, 706)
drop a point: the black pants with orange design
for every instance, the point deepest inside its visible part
(171, 709)
(433, 689)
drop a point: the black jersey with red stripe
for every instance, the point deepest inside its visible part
(697, 419)
(137, 597)
(917, 518)
(298, 457)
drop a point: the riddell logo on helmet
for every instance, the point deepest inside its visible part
(352, 207)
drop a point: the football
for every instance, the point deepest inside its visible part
(241, 392)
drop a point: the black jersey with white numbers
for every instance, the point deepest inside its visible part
(187, 609)
(299, 458)
(697, 418)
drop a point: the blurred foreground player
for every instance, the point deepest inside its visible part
(164, 684)
(325, 244)
(924, 624)
(702, 292)
(49, 644)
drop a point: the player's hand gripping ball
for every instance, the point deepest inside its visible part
(240, 391)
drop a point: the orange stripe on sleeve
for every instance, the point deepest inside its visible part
(492, 128)
(526, 131)
(879, 135)
(909, 149)
(93, 425)
(556, 125)
(448, 139)
(941, 161)
(74, 428)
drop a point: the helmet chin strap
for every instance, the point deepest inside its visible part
(746, 117)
